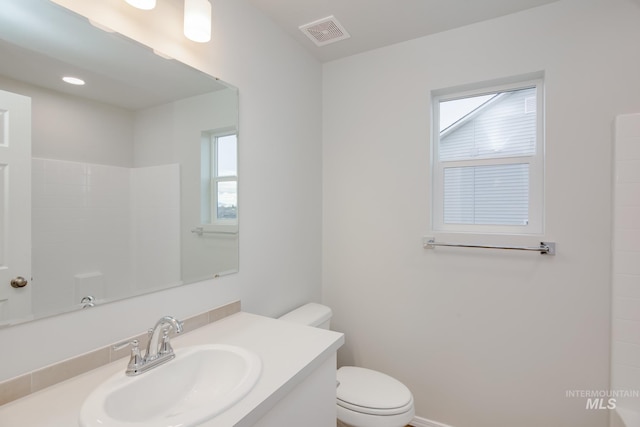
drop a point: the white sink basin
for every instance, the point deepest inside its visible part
(200, 383)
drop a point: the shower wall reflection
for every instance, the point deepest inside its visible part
(102, 231)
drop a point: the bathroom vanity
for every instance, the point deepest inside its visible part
(296, 386)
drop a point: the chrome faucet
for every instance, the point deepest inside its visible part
(155, 350)
(159, 349)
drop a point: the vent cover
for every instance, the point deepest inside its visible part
(325, 31)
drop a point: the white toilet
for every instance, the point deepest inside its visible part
(365, 398)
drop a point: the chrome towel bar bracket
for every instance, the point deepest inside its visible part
(545, 248)
(199, 231)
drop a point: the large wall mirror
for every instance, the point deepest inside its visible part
(119, 187)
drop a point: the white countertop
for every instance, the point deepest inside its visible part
(289, 353)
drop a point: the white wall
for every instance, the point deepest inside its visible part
(625, 354)
(280, 190)
(483, 338)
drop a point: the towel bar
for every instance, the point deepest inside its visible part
(545, 248)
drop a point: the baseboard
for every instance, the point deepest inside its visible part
(423, 422)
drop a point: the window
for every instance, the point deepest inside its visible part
(219, 180)
(488, 159)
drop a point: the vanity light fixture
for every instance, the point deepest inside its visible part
(142, 4)
(197, 17)
(197, 20)
(73, 80)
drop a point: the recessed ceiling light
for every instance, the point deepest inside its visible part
(73, 80)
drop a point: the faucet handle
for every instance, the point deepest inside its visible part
(135, 360)
(165, 345)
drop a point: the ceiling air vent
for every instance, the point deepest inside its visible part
(325, 31)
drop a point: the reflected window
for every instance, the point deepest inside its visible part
(220, 178)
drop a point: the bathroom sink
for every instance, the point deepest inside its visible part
(200, 383)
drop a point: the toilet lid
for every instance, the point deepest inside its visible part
(371, 392)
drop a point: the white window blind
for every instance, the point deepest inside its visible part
(488, 160)
(487, 195)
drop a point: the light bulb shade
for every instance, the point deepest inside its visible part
(197, 20)
(142, 4)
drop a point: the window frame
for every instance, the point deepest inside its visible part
(219, 225)
(536, 162)
(216, 178)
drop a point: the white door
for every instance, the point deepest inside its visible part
(15, 205)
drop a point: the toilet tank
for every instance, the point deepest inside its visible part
(311, 314)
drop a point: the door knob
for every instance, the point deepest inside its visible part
(19, 282)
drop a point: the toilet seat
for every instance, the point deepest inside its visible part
(376, 411)
(370, 392)
(357, 419)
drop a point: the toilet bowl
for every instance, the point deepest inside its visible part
(364, 397)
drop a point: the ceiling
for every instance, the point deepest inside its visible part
(376, 23)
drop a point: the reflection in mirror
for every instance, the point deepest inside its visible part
(219, 178)
(133, 174)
